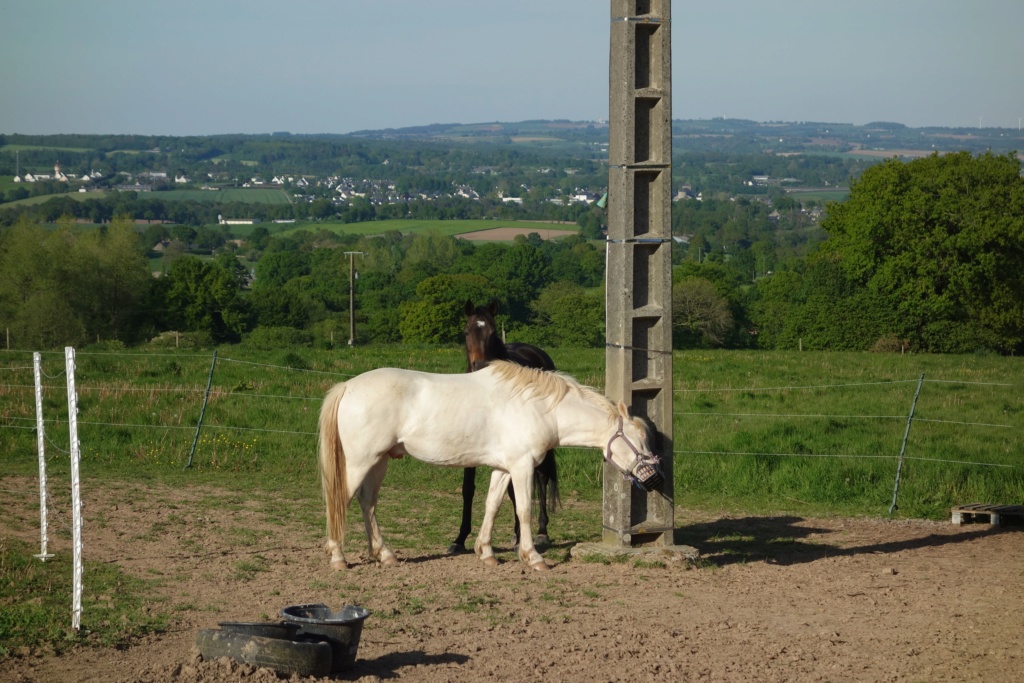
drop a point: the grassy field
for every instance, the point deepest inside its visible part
(234, 194)
(760, 432)
(445, 227)
(237, 194)
(820, 196)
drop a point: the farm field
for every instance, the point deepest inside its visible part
(232, 194)
(445, 227)
(239, 194)
(784, 466)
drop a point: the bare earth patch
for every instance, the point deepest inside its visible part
(773, 598)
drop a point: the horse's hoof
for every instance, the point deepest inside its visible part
(390, 562)
(490, 561)
(339, 565)
(542, 541)
(541, 566)
(456, 549)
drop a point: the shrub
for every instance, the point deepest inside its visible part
(270, 338)
(890, 343)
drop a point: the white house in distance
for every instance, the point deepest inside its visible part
(237, 221)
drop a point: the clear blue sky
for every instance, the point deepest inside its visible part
(198, 67)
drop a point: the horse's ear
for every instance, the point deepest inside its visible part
(493, 308)
(469, 307)
(623, 410)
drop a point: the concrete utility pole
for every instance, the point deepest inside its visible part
(352, 295)
(638, 356)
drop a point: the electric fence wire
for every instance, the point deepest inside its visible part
(222, 393)
(841, 386)
(848, 455)
(284, 367)
(792, 388)
(847, 417)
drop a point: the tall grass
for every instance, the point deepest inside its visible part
(753, 431)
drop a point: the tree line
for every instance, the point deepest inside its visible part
(926, 255)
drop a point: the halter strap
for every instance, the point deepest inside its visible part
(641, 458)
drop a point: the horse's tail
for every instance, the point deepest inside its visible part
(549, 468)
(333, 478)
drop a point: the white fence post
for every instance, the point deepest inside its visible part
(76, 494)
(41, 448)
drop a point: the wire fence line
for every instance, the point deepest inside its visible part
(848, 417)
(846, 455)
(284, 367)
(843, 385)
(796, 387)
(7, 420)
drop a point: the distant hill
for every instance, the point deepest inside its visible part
(730, 135)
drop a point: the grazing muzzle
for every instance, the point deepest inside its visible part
(645, 472)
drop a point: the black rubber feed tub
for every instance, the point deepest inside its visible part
(341, 629)
(286, 656)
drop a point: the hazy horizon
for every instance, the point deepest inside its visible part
(204, 68)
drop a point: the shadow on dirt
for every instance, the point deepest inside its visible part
(389, 666)
(783, 540)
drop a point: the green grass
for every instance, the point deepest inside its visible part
(759, 432)
(820, 196)
(445, 227)
(36, 599)
(233, 194)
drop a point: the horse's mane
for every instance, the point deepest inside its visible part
(543, 385)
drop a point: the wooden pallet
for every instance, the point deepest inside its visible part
(996, 515)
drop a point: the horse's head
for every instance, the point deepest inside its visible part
(482, 344)
(629, 451)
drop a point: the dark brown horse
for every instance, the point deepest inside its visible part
(482, 346)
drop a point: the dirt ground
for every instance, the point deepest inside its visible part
(771, 599)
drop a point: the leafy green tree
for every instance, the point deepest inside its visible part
(564, 315)
(278, 267)
(231, 264)
(816, 306)
(940, 241)
(700, 315)
(34, 287)
(203, 297)
(519, 273)
(259, 237)
(437, 315)
(64, 287)
(116, 281)
(434, 249)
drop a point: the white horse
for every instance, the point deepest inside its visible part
(504, 416)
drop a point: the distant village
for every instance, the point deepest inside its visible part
(344, 190)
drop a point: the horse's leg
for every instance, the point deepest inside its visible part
(368, 493)
(468, 489)
(355, 477)
(541, 480)
(499, 482)
(515, 525)
(522, 480)
(546, 477)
